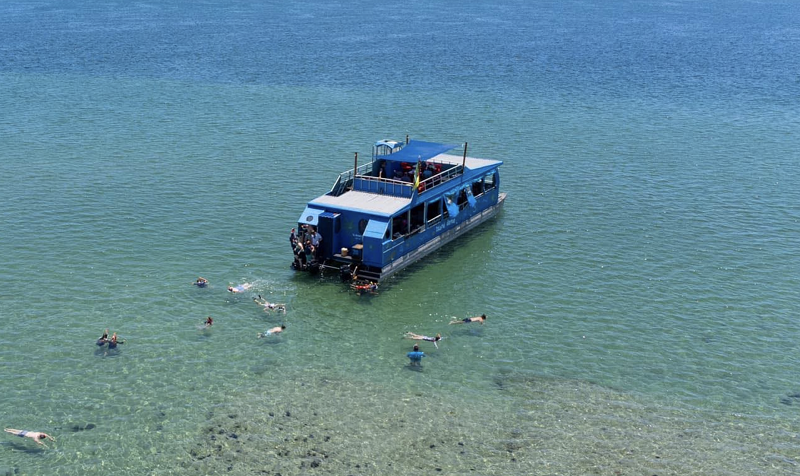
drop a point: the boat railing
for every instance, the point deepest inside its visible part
(441, 177)
(345, 180)
(364, 181)
(383, 186)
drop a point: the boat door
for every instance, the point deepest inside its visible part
(329, 226)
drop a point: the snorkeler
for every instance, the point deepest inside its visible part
(272, 332)
(201, 282)
(269, 306)
(37, 436)
(411, 335)
(416, 355)
(240, 288)
(467, 320)
(103, 340)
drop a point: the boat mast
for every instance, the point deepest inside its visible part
(464, 161)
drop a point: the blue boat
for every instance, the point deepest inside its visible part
(408, 201)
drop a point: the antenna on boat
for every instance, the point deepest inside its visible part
(406, 139)
(355, 166)
(464, 161)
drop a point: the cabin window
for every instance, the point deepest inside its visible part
(489, 181)
(477, 188)
(362, 225)
(418, 218)
(461, 201)
(400, 226)
(434, 212)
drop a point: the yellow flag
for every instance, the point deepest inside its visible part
(416, 177)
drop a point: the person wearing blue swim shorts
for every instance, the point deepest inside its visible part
(37, 436)
(468, 320)
(272, 332)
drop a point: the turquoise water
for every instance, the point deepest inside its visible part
(641, 283)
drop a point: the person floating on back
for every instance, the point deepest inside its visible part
(468, 320)
(37, 436)
(201, 282)
(415, 356)
(411, 335)
(240, 288)
(272, 332)
(269, 306)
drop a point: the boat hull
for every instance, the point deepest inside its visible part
(434, 243)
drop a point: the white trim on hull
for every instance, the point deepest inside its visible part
(442, 239)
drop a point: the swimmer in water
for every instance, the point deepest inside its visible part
(467, 320)
(411, 335)
(112, 344)
(269, 306)
(364, 287)
(201, 282)
(37, 436)
(415, 356)
(103, 340)
(240, 288)
(209, 322)
(272, 332)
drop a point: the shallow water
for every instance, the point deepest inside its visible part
(641, 282)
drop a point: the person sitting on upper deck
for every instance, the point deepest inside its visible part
(398, 174)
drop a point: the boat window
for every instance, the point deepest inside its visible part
(400, 225)
(462, 198)
(489, 181)
(434, 211)
(418, 218)
(362, 225)
(477, 187)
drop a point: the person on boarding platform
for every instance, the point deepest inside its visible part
(293, 237)
(316, 239)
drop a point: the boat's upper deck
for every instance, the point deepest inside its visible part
(417, 167)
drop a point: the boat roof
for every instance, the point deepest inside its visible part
(371, 203)
(418, 150)
(472, 163)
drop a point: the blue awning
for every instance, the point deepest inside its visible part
(418, 150)
(310, 216)
(376, 229)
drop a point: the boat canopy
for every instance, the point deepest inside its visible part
(310, 216)
(418, 150)
(376, 229)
